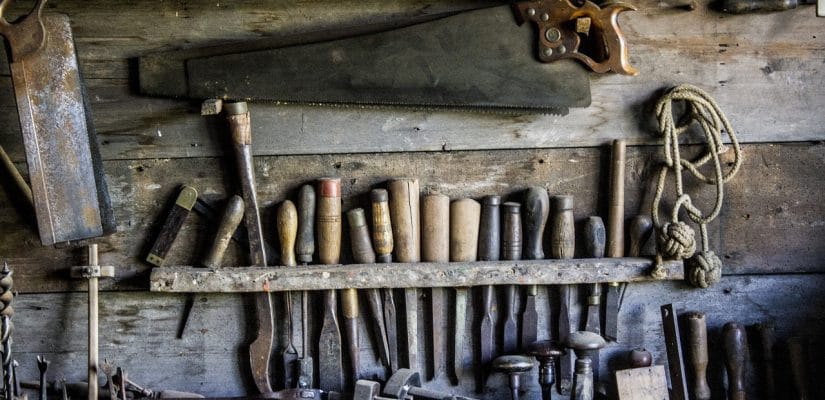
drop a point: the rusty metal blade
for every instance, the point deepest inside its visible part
(331, 374)
(437, 305)
(510, 329)
(460, 331)
(390, 320)
(70, 195)
(529, 319)
(486, 333)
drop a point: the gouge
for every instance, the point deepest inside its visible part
(594, 239)
(511, 250)
(362, 253)
(435, 247)
(260, 350)
(287, 224)
(563, 246)
(465, 215)
(536, 208)
(304, 249)
(328, 226)
(697, 342)
(736, 349)
(489, 249)
(172, 225)
(406, 227)
(615, 235)
(766, 343)
(382, 243)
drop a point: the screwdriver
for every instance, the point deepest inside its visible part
(328, 229)
(287, 224)
(615, 236)
(563, 246)
(489, 249)
(382, 242)
(536, 208)
(465, 215)
(435, 247)
(304, 249)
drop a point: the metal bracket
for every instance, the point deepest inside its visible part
(92, 271)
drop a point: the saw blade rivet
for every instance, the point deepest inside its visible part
(545, 17)
(552, 35)
(548, 52)
(531, 11)
(562, 49)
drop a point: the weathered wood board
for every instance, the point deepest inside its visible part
(763, 69)
(771, 221)
(138, 332)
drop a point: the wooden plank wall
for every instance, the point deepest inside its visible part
(765, 71)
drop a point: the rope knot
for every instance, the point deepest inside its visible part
(676, 240)
(704, 269)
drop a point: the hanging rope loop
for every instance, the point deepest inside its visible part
(675, 238)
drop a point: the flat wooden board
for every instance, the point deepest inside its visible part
(770, 221)
(642, 383)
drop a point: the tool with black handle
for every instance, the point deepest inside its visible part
(511, 250)
(765, 331)
(736, 353)
(287, 224)
(435, 247)
(260, 350)
(304, 249)
(406, 226)
(383, 244)
(489, 249)
(563, 247)
(697, 342)
(615, 236)
(328, 232)
(465, 215)
(172, 225)
(535, 209)
(759, 6)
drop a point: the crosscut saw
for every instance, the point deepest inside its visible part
(486, 59)
(70, 196)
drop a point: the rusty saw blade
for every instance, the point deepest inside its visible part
(481, 60)
(70, 195)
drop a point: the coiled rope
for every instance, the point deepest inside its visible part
(675, 238)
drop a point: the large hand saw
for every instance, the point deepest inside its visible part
(481, 59)
(65, 173)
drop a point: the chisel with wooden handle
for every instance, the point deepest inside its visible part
(382, 243)
(563, 247)
(328, 232)
(260, 350)
(465, 215)
(615, 236)
(594, 242)
(535, 209)
(362, 253)
(765, 331)
(172, 225)
(736, 353)
(287, 226)
(304, 249)
(406, 227)
(697, 351)
(511, 250)
(435, 247)
(489, 249)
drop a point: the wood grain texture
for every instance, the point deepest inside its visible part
(763, 69)
(138, 329)
(776, 195)
(642, 383)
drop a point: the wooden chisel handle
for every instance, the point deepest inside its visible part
(381, 225)
(287, 223)
(362, 252)
(562, 229)
(615, 214)
(489, 236)
(641, 226)
(594, 242)
(465, 215)
(511, 239)
(535, 210)
(766, 343)
(697, 342)
(328, 220)
(305, 242)
(232, 216)
(404, 215)
(435, 227)
(736, 347)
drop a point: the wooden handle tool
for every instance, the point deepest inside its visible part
(615, 236)
(382, 242)
(766, 343)
(328, 229)
(304, 250)
(489, 249)
(435, 247)
(563, 246)
(697, 351)
(406, 225)
(171, 227)
(535, 210)
(362, 253)
(232, 216)
(465, 216)
(287, 227)
(260, 350)
(736, 348)
(511, 250)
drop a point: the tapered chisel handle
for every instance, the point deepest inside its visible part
(615, 213)
(535, 209)
(465, 215)
(381, 225)
(697, 351)
(736, 347)
(511, 232)
(287, 223)
(359, 236)
(766, 343)
(404, 214)
(305, 243)
(594, 241)
(328, 220)
(232, 216)
(641, 226)
(435, 227)
(489, 235)
(562, 229)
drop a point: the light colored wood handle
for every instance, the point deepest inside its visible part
(287, 231)
(328, 220)
(405, 218)
(465, 216)
(435, 228)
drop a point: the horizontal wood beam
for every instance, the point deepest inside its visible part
(404, 275)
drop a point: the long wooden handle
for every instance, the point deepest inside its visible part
(381, 225)
(232, 216)
(736, 347)
(405, 219)
(766, 343)
(615, 214)
(511, 231)
(305, 243)
(799, 368)
(328, 220)
(535, 210)
(697, 342)
(435, 227)
(287, 223)
(562, 229)
(465, 215)
(489, 236)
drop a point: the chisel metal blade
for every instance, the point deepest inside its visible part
(529, 318)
